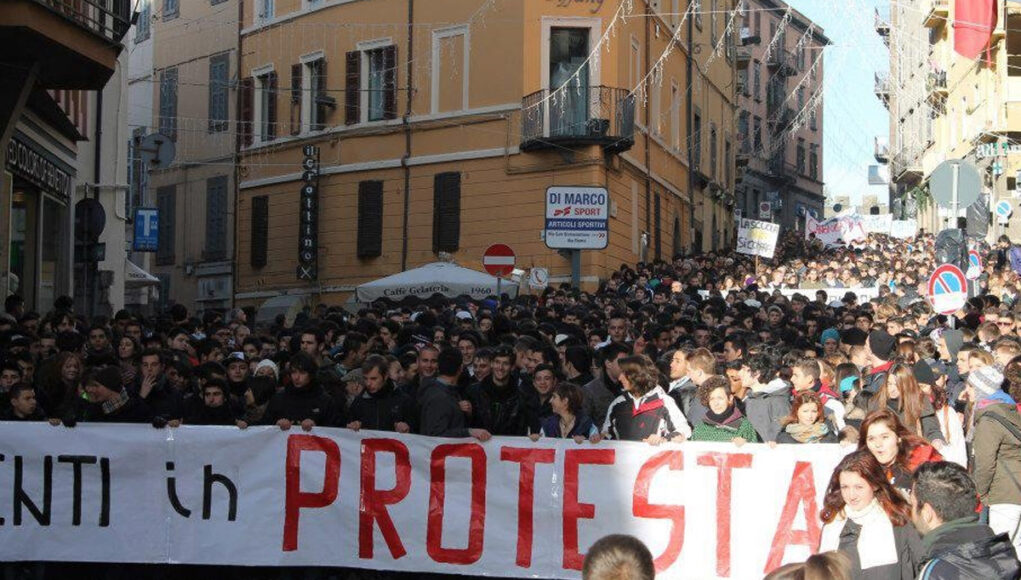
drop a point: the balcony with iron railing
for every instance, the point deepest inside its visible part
(578, 116)
(882, 27)
(882, 150)
(783, 62)
(938, 13)
(780, 119)
(74, 42)
(882, 88)
(936, 85)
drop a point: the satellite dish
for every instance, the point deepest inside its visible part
(837, 207)
(157, 150)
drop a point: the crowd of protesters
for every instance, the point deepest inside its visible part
(704, 348)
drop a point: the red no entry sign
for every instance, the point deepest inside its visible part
(498, 260)
(948, 290)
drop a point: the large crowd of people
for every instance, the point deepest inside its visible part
(712, 347)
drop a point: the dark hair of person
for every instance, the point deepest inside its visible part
(580, 358)
(617, 557)
(865, 465)
(761, 366)
(711, 384)
(947, 488)
(19, 388)
(449, 362)
(571, 393)
(378, 362)
(832, 565)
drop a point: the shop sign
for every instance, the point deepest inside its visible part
(29, 160)
(996, 149)
(308, 234)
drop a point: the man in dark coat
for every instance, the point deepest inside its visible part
(381, 406)
(154, 389)
(213, 408)
(955, 545)
(303, 401)
(440, 407)
(498, 405)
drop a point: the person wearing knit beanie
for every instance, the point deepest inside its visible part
(986, 381)
(881, 344)
(273, 371)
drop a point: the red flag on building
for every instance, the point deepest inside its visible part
(974, 21)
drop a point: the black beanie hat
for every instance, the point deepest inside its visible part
(109, 377)
(882, 344)
(923, 373)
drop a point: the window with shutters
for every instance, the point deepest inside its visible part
(297, 98)
(370, 83)
(265, 106)
(171, 9)
(265, 9)
(219, 84)
(260, 230)
(446, 212)
(142, 27)
(757, 80)
(370, 219)
(744, 132)
(813, 161)
(675, 115)
(813, 123)
(757, 136)
(726, 163)
(713, 24)
(316, 101)
(216, 218)
(801, 156)
(168, 102)
(696, 9)
(166, 204)
(139, 174)
(712, 150)
(696, 140)
(657, 235)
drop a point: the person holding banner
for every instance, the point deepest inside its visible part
(806, 422)
(723, 421)
(568, 420)
(867, 519)
(644, 412)
(303, 401)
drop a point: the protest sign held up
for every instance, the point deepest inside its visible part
(757, 238)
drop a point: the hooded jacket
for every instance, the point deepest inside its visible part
(766, 407)
(967, 550)
(440, 414)
(655, 413)
(379, 411)
(297, 404)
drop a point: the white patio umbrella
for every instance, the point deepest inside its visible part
(441, 278)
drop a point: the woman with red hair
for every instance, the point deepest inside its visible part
(806, 423)
(897, 450)
(868, 520)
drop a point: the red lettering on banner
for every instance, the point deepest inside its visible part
(527, 457)
(437, 492)
(372, 507)
(295, 498)
(801, 491)
(675, 513)
(573, 510)
(725, 462)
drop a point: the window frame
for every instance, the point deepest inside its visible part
(438, 36)
(221, 123)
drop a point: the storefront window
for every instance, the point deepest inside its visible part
(23, 215)
(53, 265)
(39, 250)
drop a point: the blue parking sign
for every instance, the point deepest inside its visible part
(147, 230)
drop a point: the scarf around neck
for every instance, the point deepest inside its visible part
(730, 415)
(876, 542)
(807, 434)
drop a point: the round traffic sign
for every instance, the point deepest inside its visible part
(1003, 209)
(974, 265)
(498, 260)
(948, 289)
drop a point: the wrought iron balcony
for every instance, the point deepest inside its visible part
(781, 119)
(883, 88)
(939, 11)
(882, 151)
(580, 115)
(783, 62)
(108, 19)
(936, 85)
(882, 28)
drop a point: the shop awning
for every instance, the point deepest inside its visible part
(442, 278)
(134, 276)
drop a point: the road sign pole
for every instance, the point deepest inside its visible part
(498, 292)
(576, 268)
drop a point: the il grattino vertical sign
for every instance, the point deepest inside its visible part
(308, 234)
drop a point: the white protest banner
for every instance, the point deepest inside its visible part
(335, 497)
(836, 231)
(904, 229)
(757, 238)
(877, 224)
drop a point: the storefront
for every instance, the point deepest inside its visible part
(36, 228)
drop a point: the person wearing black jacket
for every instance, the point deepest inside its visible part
(437, 398)
(303, 401)
(213, 408)
(955, 545)
(498, 405)
(154, 389)
(381, 406)
(23, 405)
(109, 401)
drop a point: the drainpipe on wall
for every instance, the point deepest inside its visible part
(237, 161)
(691, 159)
(407, 137)
(648, 139)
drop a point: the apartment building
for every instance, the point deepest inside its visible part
(54, 55)
(194, 103)
(438, 127)
(780, 123)
(945, 105)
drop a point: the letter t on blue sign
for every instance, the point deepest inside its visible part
(147, 230)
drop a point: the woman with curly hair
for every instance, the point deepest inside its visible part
(868, 520)
(806, 423)
(897, 450)
(723, 421)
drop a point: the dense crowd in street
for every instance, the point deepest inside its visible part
(712, 347)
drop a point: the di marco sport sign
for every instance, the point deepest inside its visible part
(577, 218)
